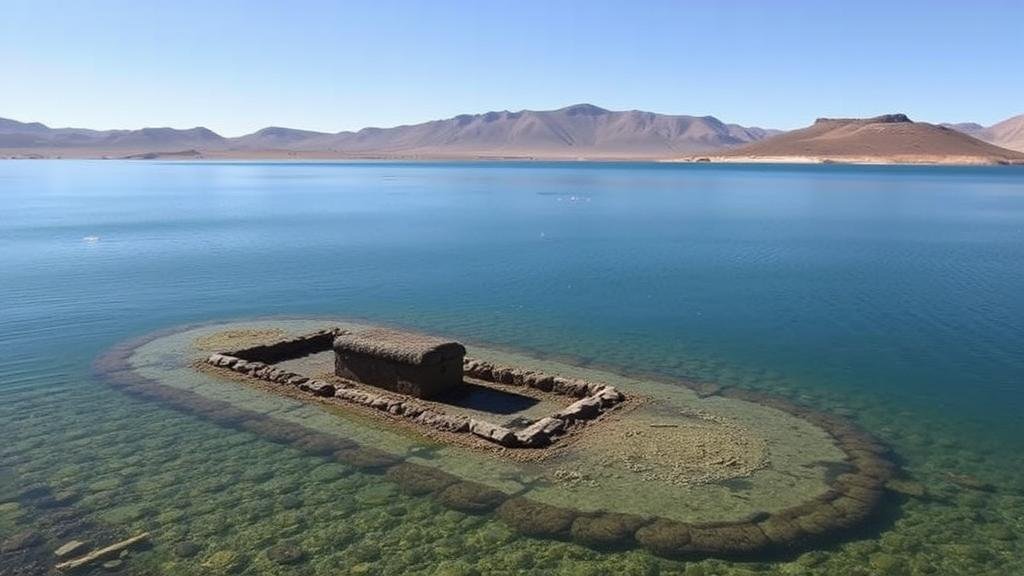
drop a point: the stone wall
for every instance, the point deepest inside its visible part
(419, 380)
(593, 398)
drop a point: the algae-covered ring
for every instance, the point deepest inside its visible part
(830, 507)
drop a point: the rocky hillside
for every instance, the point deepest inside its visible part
(580, 131)
(889, 138)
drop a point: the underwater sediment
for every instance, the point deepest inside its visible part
(673, 513)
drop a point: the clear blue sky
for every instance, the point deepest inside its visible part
(238, 65)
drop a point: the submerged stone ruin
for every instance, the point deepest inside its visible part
(622, 509)
(418, 367)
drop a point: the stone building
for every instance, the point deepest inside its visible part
(411, 364)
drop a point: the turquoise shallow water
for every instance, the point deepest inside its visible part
(892, 295)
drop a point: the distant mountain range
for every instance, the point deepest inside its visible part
(1009, 133)
(580, 131)
(893, 138)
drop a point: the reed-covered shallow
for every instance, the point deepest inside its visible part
(887, 296)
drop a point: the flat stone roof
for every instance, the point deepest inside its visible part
(402, 347)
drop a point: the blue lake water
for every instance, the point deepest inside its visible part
(894, 295)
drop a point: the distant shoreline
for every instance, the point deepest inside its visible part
(326, 157)
(909, 160)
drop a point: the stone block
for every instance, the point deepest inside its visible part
(410, 364)
(492, 432)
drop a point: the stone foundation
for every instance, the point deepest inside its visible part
(594, 398)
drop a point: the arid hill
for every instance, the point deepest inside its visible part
(274, 138)
(580, 131)
(1009, 133)
(892, 138)
(34, 135)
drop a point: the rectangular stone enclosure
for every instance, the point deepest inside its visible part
(410, 364)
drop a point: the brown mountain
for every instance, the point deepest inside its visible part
(892, 138)
(580, 131)
(1009, 133)
(274, 138)
(14, 134)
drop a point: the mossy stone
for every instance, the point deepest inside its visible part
(852, 510)
(367, 459)
(868, 496)
(224, 562)
(535, 518)
(727, 540)
(907, 488)
(782, 531)
(290, 502)
(888, 565)
(365, 552)
(285, 554)
(471, 497)
(185, 549)
(606, 530)
(418, 480)
(665, 537)
(1000, 532)
(820, 522)
(326, 473)
(20, 541)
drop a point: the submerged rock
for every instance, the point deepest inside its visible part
(606, 530)
(471, 497)
(907, 488)
(782, 531)
(290, 502)
(322, 445)
(584, 409)
(286, 554)
(34, 493)
(418, 480)
(739, 539)
(224, 562)
(970, 482)
(536, 519)
(368, 459)
(494, 433)
(665, 537)
(540, 432)
(20, 541)
(185, 549)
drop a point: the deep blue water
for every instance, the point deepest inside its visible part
(887, 288)
(900, 280)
